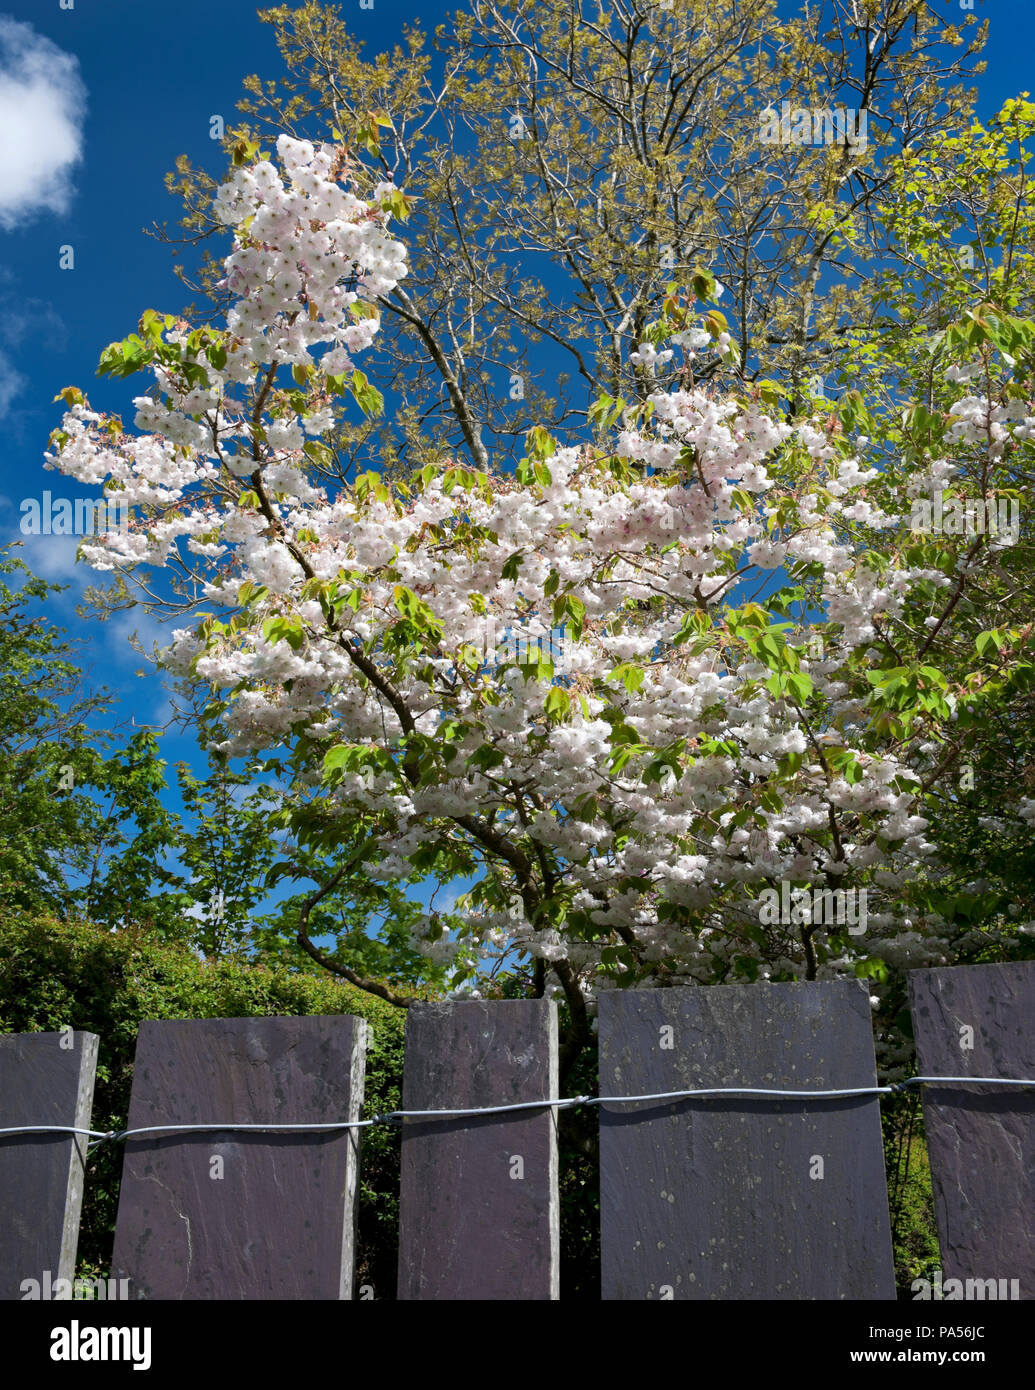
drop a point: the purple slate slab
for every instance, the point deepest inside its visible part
(45, 1079)
(473, 1222)
(716, 1199)
(279, 1223)
(981, 1141)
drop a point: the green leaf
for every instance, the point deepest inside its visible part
(872, 968)
(541, 444)
(511, 566)
(631, 676)
(558, 703)
(576, 610)
(336, 758)
(289, 630)
(367, 397)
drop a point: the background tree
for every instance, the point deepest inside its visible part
(568, 162)
(84, 827)
(963, 282)
(625, 818)
(89, 829)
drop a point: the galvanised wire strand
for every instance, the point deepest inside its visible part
(561, 1103)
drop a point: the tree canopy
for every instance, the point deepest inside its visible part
(699, 644)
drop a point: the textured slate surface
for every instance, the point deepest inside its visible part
(710, 1199)
(279, 1223)
(467, 1228)
(981, 1141)
(41, 1175)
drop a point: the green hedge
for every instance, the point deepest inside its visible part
(56, 974)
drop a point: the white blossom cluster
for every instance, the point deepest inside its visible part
(663, 850)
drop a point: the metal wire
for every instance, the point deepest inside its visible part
(560, 1103)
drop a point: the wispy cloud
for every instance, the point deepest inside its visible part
(53, 558)
(134, 628)
(22, 318)
(11, 383)
(42, 107)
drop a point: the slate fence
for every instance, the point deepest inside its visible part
(731, 1196)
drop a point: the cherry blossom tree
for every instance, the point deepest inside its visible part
(664, 695)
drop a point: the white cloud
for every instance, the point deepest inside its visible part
(11, 383)
(133, 626)
(165, 710)
(22, 317)
(42, 106)
(53, 558)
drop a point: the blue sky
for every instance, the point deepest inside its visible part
(97, 98)
(96, 103)
(127, 86)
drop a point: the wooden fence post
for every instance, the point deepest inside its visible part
(979, 1020)
(479, 1214)
(741, 1198)
(45, 1079)
(241, 1215)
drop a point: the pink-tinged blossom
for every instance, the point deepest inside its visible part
(677, 775)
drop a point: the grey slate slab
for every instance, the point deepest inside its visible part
(979, 1020)
(722, 1198)
(45, 1079)
(279, 1222)
(476, 1223)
